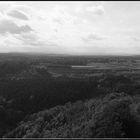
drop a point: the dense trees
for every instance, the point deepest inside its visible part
(116, 115)
(34, 103)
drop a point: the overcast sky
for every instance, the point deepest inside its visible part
(70, 27)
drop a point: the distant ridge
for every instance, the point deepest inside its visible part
(62, 54)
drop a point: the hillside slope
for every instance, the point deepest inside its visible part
(116, 115)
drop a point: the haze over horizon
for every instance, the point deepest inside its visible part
(70, 27)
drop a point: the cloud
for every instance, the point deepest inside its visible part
(10, 43)
(33, 39)
(30, 39)
(7, 26)
(58, 20)
(135, 38)
(5, 5)
(72, 28)
(1, 15)
(99, 10)
(33, 42)
(92, 37)
(94, 9)
(25, 9)
(58, 31)
(17, 14)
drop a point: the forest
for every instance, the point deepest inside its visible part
(43, 96)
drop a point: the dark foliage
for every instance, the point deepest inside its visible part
(116, 115)
(39, 101)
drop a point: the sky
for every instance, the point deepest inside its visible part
(70, 27)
